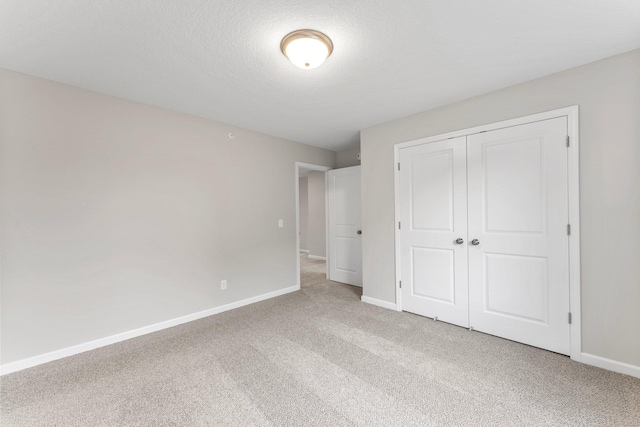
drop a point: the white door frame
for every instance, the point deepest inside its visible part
(571, 113)
(320, 168)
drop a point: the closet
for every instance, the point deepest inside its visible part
(483, 231)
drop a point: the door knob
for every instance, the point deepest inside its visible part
(359, 231)
(459, 241)
(475, 242)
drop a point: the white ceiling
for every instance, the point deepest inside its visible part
(220, 59)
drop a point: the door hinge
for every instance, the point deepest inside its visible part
(398, 166)
(400, 284)
(569, 317)
(568, 229)
(568, 140)
(399, 226)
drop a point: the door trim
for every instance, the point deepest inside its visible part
(320, 168)
(573, 173)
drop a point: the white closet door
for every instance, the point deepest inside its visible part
(433, 214)
(518, 212)
(345, 229)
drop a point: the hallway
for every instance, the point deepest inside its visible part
(313, 274)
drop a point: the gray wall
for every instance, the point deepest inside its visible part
(348, 157)
(317, 219)
(304, 211)
(608, 93)
(117, 215)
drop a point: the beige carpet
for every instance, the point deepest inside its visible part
(318, 357)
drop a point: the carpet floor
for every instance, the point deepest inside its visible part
(318, 357)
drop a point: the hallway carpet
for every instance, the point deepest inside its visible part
(318, 357)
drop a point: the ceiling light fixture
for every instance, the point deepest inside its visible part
(306, 48)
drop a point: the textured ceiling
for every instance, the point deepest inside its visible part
(220, 59)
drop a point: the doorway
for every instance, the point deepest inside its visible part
(311, 217)
(484, 229)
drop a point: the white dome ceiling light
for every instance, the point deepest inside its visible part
(306, 48)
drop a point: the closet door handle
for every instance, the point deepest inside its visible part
(459, 241)
(475, 242)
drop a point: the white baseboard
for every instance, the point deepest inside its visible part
(304, 251)
(379, 302)
(101, 342)
(321, 258)
(611, 365)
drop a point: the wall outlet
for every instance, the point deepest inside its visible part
(223, 285)
(280, 223)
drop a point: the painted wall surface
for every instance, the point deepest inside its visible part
(304, 211)
(117, 215)
(317, 218)
(608, 94)
(347, 158)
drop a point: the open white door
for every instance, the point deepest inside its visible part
(345, 230)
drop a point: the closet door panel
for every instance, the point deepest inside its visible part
(518, 212)
(433, 210)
